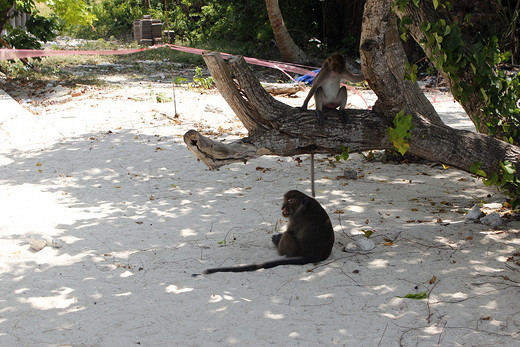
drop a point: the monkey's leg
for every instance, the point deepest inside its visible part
(319, 97)
(341, 99)
(288, 245)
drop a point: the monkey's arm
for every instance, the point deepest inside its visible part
(315, 85)
(309, 96)
(349, 76)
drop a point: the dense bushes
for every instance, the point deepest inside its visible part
(39, 29)
(192, 21)
(113, 18)
(242, 25)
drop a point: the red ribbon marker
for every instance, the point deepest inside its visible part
(7, 54)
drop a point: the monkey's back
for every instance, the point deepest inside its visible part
(316, 234)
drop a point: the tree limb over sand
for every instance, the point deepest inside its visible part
(278, 129)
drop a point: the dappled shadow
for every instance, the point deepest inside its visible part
(139, 219)
(123, 208)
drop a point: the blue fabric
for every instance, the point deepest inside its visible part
(307, 78)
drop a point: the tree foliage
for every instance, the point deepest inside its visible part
(473, 69)
(113, 18)
(40, 28)
(72, 12)
(451, 54)
(242, 24)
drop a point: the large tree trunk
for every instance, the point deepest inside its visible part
(383, 61)
(276, 128)
(289, 50)
(474, 103)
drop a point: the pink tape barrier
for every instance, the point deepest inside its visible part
(6, 54)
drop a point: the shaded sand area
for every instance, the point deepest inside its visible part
(132, 220)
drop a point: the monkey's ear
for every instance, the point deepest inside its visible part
(305, 201)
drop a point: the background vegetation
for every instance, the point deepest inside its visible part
(483, 35)
(239, 27)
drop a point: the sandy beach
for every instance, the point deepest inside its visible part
(130, 219)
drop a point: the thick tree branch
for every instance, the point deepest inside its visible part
(224, 82)
(460, 148)
(291, 131)
(215, 154)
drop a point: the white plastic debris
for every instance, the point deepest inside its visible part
(37, 244)
(351, 247)
(54, 244)
(474, 214)
(363, 245)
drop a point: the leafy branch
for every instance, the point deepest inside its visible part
(505, 180)
(401, 132)
(447, 50)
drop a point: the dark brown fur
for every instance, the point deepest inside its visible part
(308, 239)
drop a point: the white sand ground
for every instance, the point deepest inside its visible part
(107, 175)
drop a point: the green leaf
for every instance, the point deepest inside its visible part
(484, 94)
(492, 180)
(403, 148)
(475, 169)
(73, 12)
(473, 68)
(508, 167)
(418, 296)
(344, 155)
(401, 132)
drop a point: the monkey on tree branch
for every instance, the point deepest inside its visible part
(279, 129)
(326, 86)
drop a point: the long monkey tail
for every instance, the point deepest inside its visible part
(266, 265)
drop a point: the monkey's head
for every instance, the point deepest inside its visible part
(292, 201)
(336, 62)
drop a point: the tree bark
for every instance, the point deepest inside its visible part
(474, 103)
(289, 50)
(282, 88)
(5, 7)
(383, 61)
(278, 129)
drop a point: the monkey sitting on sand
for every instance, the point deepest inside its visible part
(308, 239)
